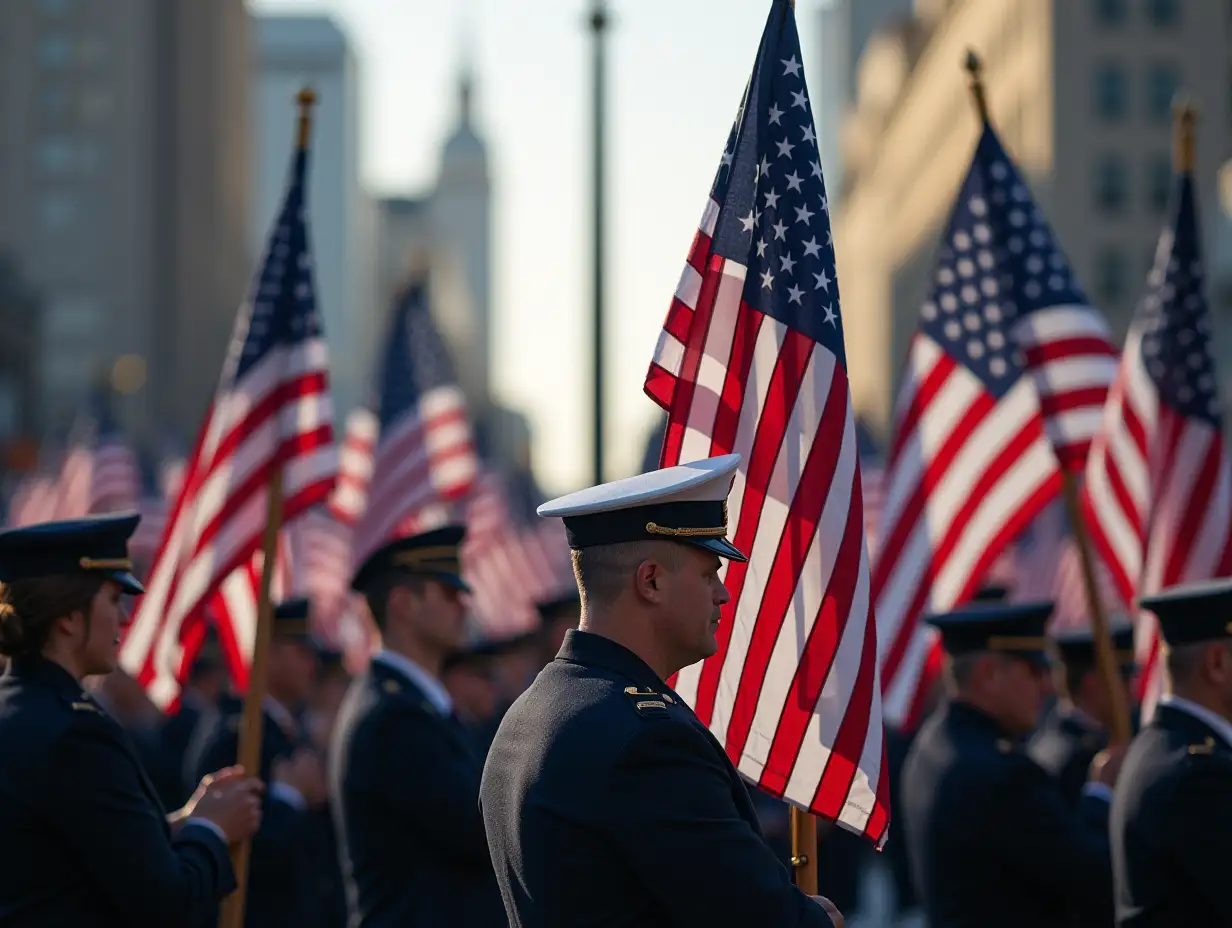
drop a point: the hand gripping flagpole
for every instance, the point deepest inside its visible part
(1105, 657)
(231, 914)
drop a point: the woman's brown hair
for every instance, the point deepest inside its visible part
(29, 608)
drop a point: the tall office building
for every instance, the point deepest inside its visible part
(123, 194)
(292, 52)
(1081, 94)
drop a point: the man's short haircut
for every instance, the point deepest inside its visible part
(377, 591)
(604, 570)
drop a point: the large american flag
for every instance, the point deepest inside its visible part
(1005, 380)
(425, 460)
(1158, 494)
(271, 411)
(751, 360)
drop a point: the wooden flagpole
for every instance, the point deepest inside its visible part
(1105, 657)
(231, 913)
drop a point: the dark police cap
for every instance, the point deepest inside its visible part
(94, 546)
(1193, 612)
(1077, 647)
(482, 650)
(686, 503)
(1011, 628)
(566, 605)
(435, 554)
(291, 619)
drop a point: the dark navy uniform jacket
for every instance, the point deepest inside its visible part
(991, 840)
(1064, 745)
(1172, 825)
(607, 803)
(404, 787)
(277, 863)
(85, 842)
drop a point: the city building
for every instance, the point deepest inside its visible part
(293, 52)
(1081, 92)
(124, 195)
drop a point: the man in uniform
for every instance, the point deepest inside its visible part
(1076, 729)
(990, 838)
(1172, 813)
(605, 799)
(279, 864)
(404, 772)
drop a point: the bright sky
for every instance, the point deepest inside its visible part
(677, 69)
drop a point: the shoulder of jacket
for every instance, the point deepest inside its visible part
(648, 704)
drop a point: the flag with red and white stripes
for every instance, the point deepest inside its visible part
(1158, 493)
(751, 360)
(350, 496)
(271, 412)
(424, 462)
(1005, 380)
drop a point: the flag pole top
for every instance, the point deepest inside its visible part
(1184, 121)
(305, 100)
(975, 68)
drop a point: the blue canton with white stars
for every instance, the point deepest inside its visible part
(774, 217)
(1175, 321)
(284, 307)
(997, 262)
(416, 358)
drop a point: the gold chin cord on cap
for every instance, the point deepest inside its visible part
(444, 557)
(1018, 643)
(655, 529)
(106, 563)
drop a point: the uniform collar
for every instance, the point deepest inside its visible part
(434, 691)
(37, 667)
(591, 650)
(1216, 723)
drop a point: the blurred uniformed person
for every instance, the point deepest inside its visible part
(606, 801)
(290, 765)
(1077, 728)
(990, 837)
(556, 616)
(404, 772)
(85, 839)
(1172, 814)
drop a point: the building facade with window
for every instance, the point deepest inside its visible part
(123, 194)
(1081, 92)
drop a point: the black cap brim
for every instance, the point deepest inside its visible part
(452, 580)
(128, 582)
(720, 546)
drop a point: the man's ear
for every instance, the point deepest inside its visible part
(648, 579)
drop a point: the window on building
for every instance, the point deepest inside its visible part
(58, 209)
(1111, 183)
(1110, 12)
(56, 155)
(1111, 91)
(54, 51)
(1110, 276)
(1163, 83)
(1158, 182)
(1164, 13)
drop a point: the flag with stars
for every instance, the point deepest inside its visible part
(751, 360)
(1158, 493)
(1005, 384)
(424, 461)
(271, 411)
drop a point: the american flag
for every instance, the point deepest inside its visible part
(425, 462)
(1047, 565)
(1005, 379)
(115, 484)
(751, 360)
(350, 497)
(271, 411)
(1158, 494)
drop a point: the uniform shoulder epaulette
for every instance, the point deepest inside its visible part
(1006, 746)
(1206, 747)
(81, 706)
(391, 686)
(647, 702)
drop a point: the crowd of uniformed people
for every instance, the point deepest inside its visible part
(554, 779)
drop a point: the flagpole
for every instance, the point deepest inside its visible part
(1104, 654)
(231, 913)
(598, 26)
